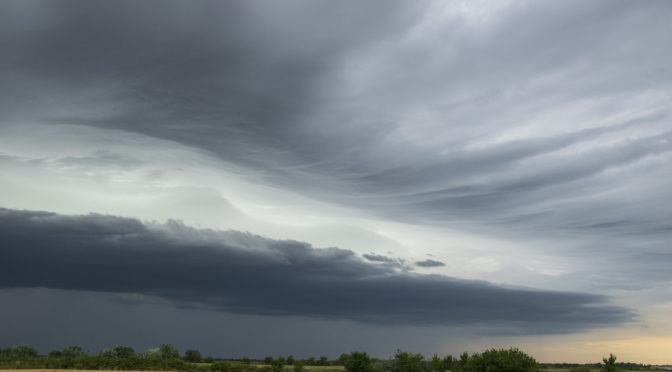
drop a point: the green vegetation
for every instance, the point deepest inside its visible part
(167, 358)
(193, 356)
(609, 363)
(357, 361)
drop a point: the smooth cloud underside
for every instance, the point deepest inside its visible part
(243, 273)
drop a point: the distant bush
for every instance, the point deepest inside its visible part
(233, 367)
(579, 369)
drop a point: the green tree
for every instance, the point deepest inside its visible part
(298, 365)
(323, 361)
(502, 360)
(311, 361)
(358, 361)
(193, 356)
(152, 353)
(246, 361)
(463, 363)
(167, 351)
(437, 364)
(268, 360)
(449, 363)
(290, 360)
(73, 352)
(124, 351)
(408, 362)
(278, 364)
(342, 359)
(19, 352)
(107, 353)
(609, 363)
(209, 359)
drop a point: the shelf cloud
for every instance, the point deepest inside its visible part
(244, 273)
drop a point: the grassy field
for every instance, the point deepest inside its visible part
(287, 368)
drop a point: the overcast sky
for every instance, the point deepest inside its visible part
(255, 178)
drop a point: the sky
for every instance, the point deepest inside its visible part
(253, 178)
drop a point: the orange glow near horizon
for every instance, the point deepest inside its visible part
(637, 349)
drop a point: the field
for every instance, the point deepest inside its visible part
(306, 369)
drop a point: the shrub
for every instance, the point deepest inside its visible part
(579, 369)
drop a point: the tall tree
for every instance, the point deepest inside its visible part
(124, 351)
(408, 362)
(358, 361)
(193, 356)
(167, 351)
(609, 363)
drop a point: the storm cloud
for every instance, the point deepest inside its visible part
(243, 273)
(301, 102)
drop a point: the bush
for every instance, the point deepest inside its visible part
(579, 369)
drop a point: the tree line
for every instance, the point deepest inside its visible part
(167, 358)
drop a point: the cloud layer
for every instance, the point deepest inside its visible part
(439, 113)
(243, 273)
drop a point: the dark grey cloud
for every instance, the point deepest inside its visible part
(243, 273)
(430, 263)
